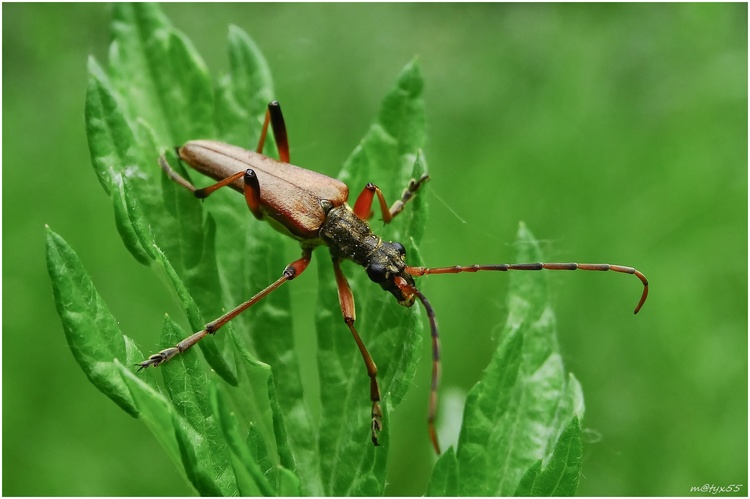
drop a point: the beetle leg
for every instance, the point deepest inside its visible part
(207, 191)
(251, 184)
(174, 176)
(274, 116)
(252, 193)
(290, 272)
(251, 188)
(364, 201)
(279, 130)
(346, 301)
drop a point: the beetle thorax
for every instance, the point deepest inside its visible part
(348, 236)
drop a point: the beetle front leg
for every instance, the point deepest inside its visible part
(363, 205)
(346, 301)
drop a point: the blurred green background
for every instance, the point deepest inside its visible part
(618, 133)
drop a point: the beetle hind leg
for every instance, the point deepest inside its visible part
(276, 119)
(291, 271)
(173, 175)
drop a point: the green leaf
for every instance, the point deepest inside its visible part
(155, 411)
(559, 477)
(198, 473)
(92, 332)
(516, 413)
(153, 211)
(179, 439)
(188, 388)
(131, 223)
(161, 77)
(289, 484)
(100, 347)
(444, 476)
(243, 95)
(163, 223)
(112, 149)
(350, 465)
(214, 256)
(249, 259)
(247, 457)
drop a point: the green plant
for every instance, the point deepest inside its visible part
(245, 427)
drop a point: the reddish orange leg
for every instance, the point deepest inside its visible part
(274, 116)
(362, 208)
(346, 301)
(290, 272)
(600, 267)
(251, 187)
(364, 201)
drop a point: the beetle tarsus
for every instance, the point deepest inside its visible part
(159, 358)
(377, 423)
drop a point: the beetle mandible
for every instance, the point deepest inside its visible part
(312, 208)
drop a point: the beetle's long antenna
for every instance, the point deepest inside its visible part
(408, 289)
(601, 267)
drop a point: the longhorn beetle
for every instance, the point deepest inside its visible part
(311, 208)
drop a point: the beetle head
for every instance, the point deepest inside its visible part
(385, 265)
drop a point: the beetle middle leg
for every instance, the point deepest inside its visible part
(290, 272)
(346, 301)
(364, 201)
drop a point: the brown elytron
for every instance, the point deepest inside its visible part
(311, 208)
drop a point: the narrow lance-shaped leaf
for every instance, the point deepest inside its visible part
(249, 256)
(160, 95)
(515, 414)
(350, 464)
(113, 151)
(155, 411)
(188, 387)
(444, 476)
(125, 199)
(92, 332)
(254, 464)
(177, 437)
(171, 213)
(560, 475)
(163, 79)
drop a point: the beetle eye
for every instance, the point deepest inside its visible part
(400, 248)
(376, 273)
